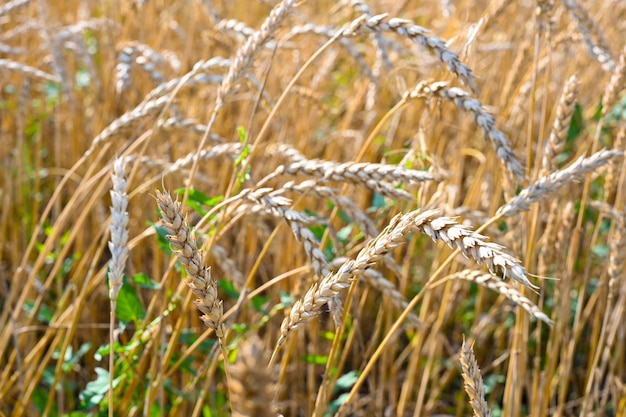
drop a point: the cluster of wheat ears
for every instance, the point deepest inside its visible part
(264, 208)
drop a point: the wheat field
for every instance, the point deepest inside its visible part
(314, 208)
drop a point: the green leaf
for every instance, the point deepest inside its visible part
(129, 306)
(344, 233)
(144, 281)
(378, 201)
(577, 124)
(44, 315)
(228, 288)
(316, 359)
(346, 381)
(161, 234)
(96, 390)
(40, 399)
(258, 302)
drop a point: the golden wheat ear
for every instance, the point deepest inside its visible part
(199, 278)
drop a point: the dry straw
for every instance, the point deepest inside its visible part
(199, 277)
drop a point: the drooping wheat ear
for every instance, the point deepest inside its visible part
(279, 206)
(473, 382)
(501, 287)
(615, 85)
(145, 58)
(595, 41)
(250, 385)
(27, 70)
(564, 112)
(482, 118)
(473, 245)
(550, 184)
(118, 245)
(408, 29)
(329, 32)
(14, 4)
(199, 277)
(360, 218)
(142, 111)
(374, 176)
(444, 229)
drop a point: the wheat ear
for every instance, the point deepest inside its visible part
(251, 386)
(501, 287)
(474, 385)
(118, 245)
(199, 277)
(444, 229)
(418, 34)
(552, 183)
(561, 124)
(463, 100)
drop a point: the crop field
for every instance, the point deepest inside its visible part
(313, 208)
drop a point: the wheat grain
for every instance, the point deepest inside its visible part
(377, 281)
(12, 5)
(28, 70)
(248, 50)
(595, 41)
(277, 205)
(615, 85)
